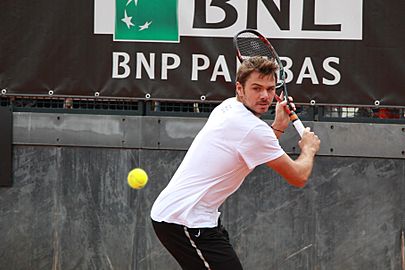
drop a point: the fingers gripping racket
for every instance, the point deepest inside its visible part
(249, 43)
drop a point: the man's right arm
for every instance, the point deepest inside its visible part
(296, 172)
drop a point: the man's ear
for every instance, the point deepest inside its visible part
(239, 89)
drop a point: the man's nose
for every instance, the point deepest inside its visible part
(264, 94)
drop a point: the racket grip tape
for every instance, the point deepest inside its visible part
(299, 126)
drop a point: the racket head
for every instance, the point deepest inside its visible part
(249, 43)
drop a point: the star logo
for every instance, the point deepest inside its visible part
(135, 2)
(145, 26)
(127, 20)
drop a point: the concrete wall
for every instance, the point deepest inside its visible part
(70, 206)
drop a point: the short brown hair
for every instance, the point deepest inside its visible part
(263, 65)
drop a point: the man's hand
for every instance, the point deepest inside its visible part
(309, 142)
(282, 119)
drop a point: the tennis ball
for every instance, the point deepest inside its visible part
(137, 178)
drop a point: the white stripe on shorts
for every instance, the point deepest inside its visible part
(196, 248)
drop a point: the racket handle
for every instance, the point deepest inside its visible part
(299, 126)
(293, 118)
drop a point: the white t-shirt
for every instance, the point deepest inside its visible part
(230, 145)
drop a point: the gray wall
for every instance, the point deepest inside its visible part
(70, 206)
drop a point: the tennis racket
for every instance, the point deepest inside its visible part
(249, 43)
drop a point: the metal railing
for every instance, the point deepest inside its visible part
(325, 113)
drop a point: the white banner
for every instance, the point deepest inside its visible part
(285, 19)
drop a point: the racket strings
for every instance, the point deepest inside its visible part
(250, 45)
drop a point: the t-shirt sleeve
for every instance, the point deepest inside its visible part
(260, 146)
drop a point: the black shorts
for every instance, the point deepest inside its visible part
(201, 248)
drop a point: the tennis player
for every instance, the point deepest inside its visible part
(232, 143)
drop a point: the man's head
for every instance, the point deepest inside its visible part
(256, 83)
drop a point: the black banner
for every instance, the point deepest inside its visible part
(53, 46)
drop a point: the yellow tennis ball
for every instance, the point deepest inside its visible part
(137, 178)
